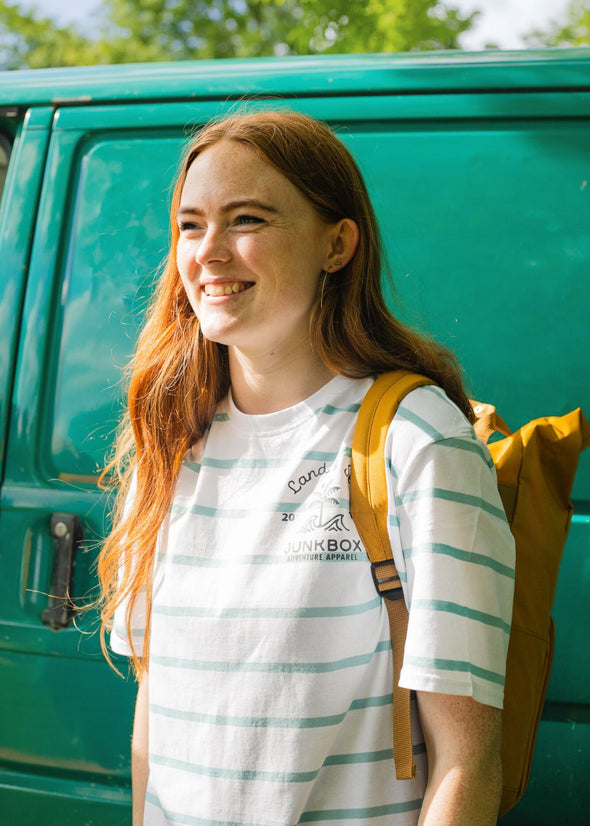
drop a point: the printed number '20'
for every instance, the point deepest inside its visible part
(288, 517)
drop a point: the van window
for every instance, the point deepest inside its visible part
(117, 239)
(4, 155)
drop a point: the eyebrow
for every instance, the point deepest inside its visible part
(231, 205)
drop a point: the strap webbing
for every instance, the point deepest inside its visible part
(369, 507)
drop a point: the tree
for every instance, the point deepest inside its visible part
(29, 40)
(574, 31)
(249, 28)
(185, 29)
(389, 26)
(149, 30)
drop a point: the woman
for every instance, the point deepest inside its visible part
(269, 664)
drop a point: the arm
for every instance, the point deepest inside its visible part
(463, 743)
(139, 752)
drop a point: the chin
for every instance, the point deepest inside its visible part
(219, 336)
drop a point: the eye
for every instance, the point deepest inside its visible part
(244, 220)
(188, 226)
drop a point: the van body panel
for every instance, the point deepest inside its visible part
(478, 169)
(29, 799)
(306, 76)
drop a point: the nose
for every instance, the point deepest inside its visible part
(212, 247)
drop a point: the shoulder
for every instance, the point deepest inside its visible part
(428, 415)
(427, 419)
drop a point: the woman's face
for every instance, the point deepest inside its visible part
(250, 252)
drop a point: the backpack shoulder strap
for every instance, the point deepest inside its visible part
(369, 509)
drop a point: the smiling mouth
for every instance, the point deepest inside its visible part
(226, 289)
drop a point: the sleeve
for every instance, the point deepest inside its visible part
(453, 550)
(120, 642)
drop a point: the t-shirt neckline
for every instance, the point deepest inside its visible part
(288, 418)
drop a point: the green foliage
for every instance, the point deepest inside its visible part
(575, 31)
(402, 26)
(184, 29)
(29, 40)
(150, 30)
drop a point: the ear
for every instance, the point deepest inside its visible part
(343, 244)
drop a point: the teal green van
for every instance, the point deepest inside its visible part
(479, 168)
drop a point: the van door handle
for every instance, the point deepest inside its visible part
(67, 534)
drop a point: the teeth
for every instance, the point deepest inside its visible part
(225, 289)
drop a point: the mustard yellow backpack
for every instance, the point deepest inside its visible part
(535, 467)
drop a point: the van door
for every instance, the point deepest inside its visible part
(100, 232)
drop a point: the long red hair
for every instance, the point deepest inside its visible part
(177, 377)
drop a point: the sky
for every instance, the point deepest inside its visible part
(502, 22)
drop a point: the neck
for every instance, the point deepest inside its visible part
(266, 385)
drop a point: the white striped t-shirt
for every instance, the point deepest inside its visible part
(270, 657)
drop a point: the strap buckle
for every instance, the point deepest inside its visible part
(386, 579)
